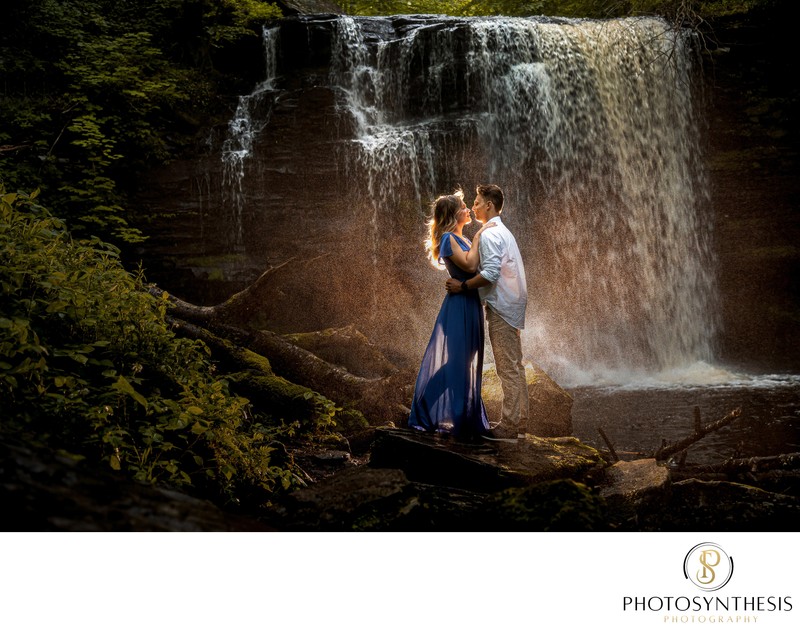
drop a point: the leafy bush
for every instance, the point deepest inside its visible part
(692, 11)
(97, 92)
(89, 364)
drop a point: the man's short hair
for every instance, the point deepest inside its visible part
(493, 193)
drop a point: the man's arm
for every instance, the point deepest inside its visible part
(491, 250)
(491, 257)
(457, 286)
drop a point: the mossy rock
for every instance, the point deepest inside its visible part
(561, 505)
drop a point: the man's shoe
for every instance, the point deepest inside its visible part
(504, 430)
(492, 438)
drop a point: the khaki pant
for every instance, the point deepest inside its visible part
(507, 349)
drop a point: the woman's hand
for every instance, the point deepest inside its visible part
(485, 226)
(468, 261)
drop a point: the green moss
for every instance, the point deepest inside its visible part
(90, 365)
(562, 505)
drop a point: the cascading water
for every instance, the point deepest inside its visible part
(593, 129)
(250, 118)
(590, 128)
(614, 141)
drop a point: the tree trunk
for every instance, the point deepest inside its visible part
(380, 399)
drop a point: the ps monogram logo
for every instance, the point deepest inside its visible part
(708, 574)
(708, 566)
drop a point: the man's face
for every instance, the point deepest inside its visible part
(480, 207)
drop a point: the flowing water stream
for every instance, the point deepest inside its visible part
(251, 117)
(639, 416)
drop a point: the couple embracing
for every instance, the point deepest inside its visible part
(487, 271)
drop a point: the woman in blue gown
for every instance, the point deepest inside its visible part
(447, 393)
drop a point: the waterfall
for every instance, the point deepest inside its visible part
(250, 118)
(602, 115)
(591, 128)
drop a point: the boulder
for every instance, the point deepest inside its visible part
(44, 490)
(632, 488)
(725, 506)
(550, 405)
(484, 466)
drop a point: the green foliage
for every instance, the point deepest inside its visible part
(89, 364)
(463, 8)
(561, 505)
(243, 17)
(96, 92)
(696, 10)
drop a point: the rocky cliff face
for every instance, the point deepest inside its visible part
(753, 157)
(301, 204)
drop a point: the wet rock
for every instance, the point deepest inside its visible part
(43, 490)
(550, 405)
(633, 488)
(725, 506)
(483, 466)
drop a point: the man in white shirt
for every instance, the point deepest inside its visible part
(501, 284)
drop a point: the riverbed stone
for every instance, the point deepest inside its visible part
(359, 498)
(634, 487)
(725, 506)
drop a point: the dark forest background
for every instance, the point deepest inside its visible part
(95, 93)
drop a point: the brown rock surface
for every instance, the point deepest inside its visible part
(550, 405)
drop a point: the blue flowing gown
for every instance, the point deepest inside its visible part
(447, 394)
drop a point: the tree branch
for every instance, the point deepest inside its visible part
(700, 432)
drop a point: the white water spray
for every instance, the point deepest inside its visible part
(590, 127)
(250, 118)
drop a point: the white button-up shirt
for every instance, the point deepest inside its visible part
(501, 264)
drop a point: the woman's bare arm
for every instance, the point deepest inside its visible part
(468, 261)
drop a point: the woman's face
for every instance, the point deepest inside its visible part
(462, 216)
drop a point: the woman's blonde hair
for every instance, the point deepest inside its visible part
(443, 219)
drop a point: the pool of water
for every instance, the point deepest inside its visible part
(638, 416)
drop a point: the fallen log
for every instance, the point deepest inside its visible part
(207, 314)
(380, 400)
(346, 347)
(784, 461)
(700, 432)
(255, 378)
